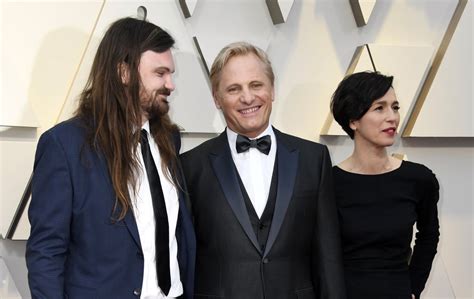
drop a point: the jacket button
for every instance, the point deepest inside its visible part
(139, 254)
(265, 261)
(137, 292)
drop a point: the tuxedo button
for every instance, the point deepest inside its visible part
(137, 292)
(265, 261)
(139, 255)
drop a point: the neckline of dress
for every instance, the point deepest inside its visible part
(372, 174)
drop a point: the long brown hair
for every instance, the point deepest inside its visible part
(112, 112)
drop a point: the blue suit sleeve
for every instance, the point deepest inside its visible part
(50, 216)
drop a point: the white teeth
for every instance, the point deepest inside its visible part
(250, 110)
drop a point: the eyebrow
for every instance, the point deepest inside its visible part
(163, 68)
(232, 85)
(384, 102)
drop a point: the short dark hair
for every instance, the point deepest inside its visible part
(354, 96)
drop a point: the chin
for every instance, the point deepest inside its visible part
(157, 113)
(387, 144)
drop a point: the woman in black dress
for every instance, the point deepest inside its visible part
(380, 197)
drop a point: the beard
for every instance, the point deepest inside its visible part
(154, 106)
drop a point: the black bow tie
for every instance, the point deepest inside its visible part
(263, 144)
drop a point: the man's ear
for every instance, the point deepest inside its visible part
(124, 72)
(216, 99)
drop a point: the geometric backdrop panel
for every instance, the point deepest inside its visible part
(448, 107)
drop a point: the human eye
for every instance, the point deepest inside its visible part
(396, 107)
(162, 71)
(257, 84)
(232, 89)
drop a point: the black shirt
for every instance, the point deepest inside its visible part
(377, 214)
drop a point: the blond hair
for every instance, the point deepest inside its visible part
(238, 49)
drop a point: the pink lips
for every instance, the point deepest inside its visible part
(390, 131)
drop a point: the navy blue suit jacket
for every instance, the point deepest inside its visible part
(75, 250)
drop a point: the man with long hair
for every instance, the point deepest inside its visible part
(108, 214)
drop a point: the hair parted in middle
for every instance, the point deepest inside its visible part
(238, 49)
(354, 96)
(111, 109)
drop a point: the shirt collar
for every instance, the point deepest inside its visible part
(232, 137)
(146, 126)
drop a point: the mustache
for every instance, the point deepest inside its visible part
(164, 91)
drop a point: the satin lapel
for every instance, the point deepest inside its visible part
(287, 169)
(129, 218)
(222, 162)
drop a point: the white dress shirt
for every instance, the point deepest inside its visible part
(145, 218)
(255, 169)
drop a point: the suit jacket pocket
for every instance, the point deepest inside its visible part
(307, 293)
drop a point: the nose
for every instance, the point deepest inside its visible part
(170, 84)
(393, 115)
(246, 97)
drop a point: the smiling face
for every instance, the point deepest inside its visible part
(378, 126)
(155, 71)
(245, 95)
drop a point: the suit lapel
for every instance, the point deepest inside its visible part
(129, 219)
(223, 165)
(132, 227)
(287, 168)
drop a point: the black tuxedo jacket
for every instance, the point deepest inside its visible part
(302, 257)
